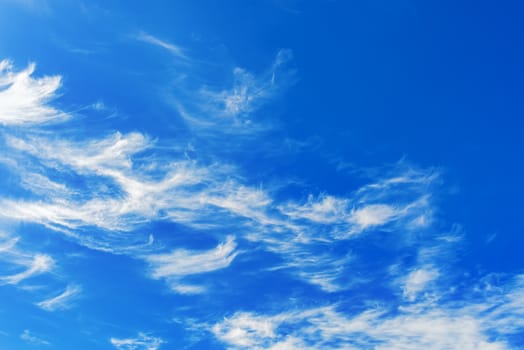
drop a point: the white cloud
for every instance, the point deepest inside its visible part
(509, 299)
(324, 210)
(187, 289)
(183, 262)
(8, 244)
(401, 200)
(139, 192)
(133, 182)
(40, 264)
(248, 91)
(24, 99)
(61, 301)
(30, 338)
(173, 49)
(143, 341)
(230, 110)
(99, 155)
(42, 185)
(241, 97)
(372, 215)
(239, 200)
(417, 281)
(328, 210)
(27, 264)
(130, 183)
(121, 182)
(476, 326)
(247, 330)
(179, 263)
(318, 266)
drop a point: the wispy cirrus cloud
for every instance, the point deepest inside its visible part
(138, 190)
(325, 209)
(131, 185)
(218, 112)
(8, 243)
(180, 263)
(39, 264)
(417, 281)
(176, 50)
(142, 341)
(395, 203)
(318, 266)
(23, 99)
(402, 198)
(119, 182)
(32, 264)
(62, 301)
(448, 325)
(96, 189)
(32, 339)
(123, 194)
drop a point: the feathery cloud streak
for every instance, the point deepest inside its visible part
(32, 339)
(218, 112)
(61, 301)
(143, 341)
(179, 263)
(481, 324)
(23, 99)
(40, 263)
(173, 49)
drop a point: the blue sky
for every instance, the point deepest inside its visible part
(267, 174)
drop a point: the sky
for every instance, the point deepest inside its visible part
(265, 174)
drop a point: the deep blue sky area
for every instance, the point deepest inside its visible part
(266, 174)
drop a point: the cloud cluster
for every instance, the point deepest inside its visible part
(126, 182)
(482, 324)
(103, 191)
(120, 182)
